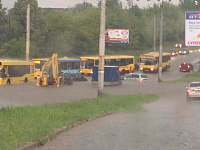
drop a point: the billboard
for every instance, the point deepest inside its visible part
(117, 36)
(192, 28)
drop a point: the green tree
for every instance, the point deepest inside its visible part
(37, 26)
(174, 25)
(75, 33)
(3, 25)
(189, 5)
(14, 49)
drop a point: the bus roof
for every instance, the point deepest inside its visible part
(6, 62)
(153, 54)
(68, 60)
(108, 57)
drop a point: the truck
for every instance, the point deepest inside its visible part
(51, 75)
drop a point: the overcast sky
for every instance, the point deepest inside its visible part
(71, 3)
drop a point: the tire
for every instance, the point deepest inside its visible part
(69, 82)
(8, 81)
(123, 72)
(26, 80)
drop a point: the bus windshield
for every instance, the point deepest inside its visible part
(148, 61)
(89, 64)
(2, 73)
(39, 64)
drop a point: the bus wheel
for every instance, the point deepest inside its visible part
(166, 67)
(25, 80)
(123, 72)
(8, 81)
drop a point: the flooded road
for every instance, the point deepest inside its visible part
(167, 124)
(29, 94)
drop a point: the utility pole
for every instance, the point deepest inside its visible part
(161, 44)
(101, 49)
(154, 32)
(28, 32)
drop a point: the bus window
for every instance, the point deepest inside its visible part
(89, 64)
(76, 65)
(69, 66)
(82, 64)
(2, 72)
(129, 61)
(123, 62)
(96, 62)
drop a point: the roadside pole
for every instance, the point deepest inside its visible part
(154, 32)
(28, 32)
(101, 49)
(161, 44)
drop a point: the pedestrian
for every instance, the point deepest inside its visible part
(137, 66)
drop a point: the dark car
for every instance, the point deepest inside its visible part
(184, 51)
(186, 67)
(173, 52)
(68, 79)
(75, 76)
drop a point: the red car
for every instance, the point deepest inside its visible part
(185, 67)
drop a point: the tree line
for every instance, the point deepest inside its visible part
(74, 31)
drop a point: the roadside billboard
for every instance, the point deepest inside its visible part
(192, 28)
(117, 36)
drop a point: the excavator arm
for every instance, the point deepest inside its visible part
(50, 73)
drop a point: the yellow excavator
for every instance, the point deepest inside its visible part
(50, 73)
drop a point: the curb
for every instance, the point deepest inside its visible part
(48, 138)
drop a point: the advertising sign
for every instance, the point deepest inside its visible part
(117, 36)
(192, 28)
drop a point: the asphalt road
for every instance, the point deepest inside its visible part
(29, 94)
(167, 124)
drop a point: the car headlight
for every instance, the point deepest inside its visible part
(141, 68)
(152, 69)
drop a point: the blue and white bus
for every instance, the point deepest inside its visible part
(69, 65)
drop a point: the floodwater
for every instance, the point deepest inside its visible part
(167, 124)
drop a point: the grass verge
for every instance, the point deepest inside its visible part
(188, 78)
(25, 124)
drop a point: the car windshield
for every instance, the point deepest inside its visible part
(144, 76)
(195, 84)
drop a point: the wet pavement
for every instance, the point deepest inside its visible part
(167, 124)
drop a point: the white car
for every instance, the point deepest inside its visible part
(193, 91)
(137, 77)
